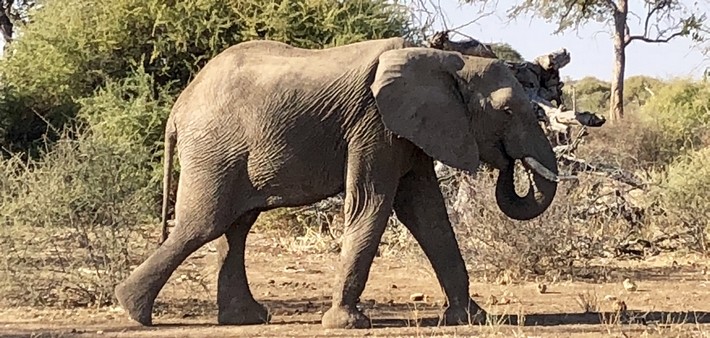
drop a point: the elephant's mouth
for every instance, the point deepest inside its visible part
(541, 188)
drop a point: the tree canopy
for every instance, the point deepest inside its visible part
(73, 47)
(506, 52)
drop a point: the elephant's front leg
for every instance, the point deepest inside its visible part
(369, 192)
(420, 206)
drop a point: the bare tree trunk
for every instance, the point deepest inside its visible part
(6, 28)
(616, 107)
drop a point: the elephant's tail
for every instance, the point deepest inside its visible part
(170, 141)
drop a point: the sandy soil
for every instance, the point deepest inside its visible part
(672, 300)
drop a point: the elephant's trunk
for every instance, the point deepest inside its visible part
(539, 196)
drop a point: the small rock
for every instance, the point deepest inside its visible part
(393, 286)
(417, 297)
(541, 288)
(116, 309)
(610, 298)
(293, 269)
(99, 332)
(620, 306)
(629, 285)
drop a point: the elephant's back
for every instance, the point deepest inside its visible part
(268, 80)
(254, 72)
(284, 111)
(279, 64)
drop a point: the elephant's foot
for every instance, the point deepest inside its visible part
(464, 315)
(343, 317)
(138, 308)
(247, 313)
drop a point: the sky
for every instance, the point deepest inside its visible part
(590, 47)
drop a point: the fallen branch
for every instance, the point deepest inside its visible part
(617, 174)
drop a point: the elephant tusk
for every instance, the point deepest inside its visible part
(540, 169)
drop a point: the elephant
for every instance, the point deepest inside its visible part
(267, 125)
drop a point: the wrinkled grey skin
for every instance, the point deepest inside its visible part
(265, 125)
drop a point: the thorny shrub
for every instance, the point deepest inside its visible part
(680, 198)
(675, 121)
(71, 224)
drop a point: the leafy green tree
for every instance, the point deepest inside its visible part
(591, 94)
(506, 52)
(73, 47)
(639, 89)
(662, 21)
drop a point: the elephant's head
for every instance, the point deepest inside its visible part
(461, 110)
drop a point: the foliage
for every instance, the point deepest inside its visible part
(323, 23)
(591, 94)
(506, 52)
(72, 48)
(639, 89)
(685, 183)
(681, 197)
(674, 121)
(79, 212)
(128, 111)
(69, 223)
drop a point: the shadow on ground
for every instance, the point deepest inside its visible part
(596, 273)
(558, 319)
(394, 314)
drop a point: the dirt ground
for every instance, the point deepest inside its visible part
(672, 300)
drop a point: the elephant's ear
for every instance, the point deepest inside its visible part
(416, 91)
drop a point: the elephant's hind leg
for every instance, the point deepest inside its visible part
(203, 212)
(234, 299)
(138, 292)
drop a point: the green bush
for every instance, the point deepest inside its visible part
(674, 121)
(639, 89)
(81, 212)
(128, 111)
(682, 197)
(686, 182)
(73, 47)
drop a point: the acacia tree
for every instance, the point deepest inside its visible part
(662, 21)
